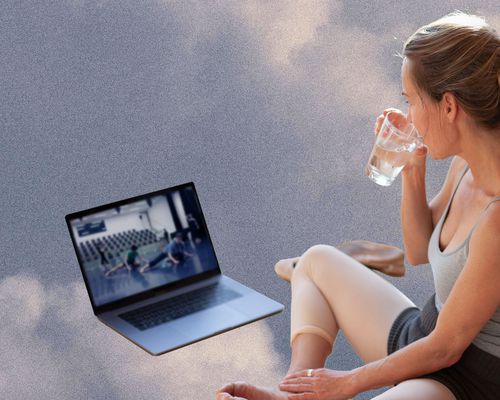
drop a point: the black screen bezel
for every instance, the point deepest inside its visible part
(154, 291)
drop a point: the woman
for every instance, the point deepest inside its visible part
(451, 348)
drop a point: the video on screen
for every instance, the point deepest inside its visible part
(142, 245)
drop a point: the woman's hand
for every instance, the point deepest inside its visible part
(417, 160)
(381, 117)
(322, 384)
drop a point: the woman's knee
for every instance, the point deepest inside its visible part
(318, 254)
(315, 257)
(321, 251)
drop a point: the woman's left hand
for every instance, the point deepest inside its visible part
(321, 384)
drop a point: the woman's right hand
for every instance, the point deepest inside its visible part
(417, 161)
(381, 117)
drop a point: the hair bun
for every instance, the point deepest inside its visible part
(459, 53)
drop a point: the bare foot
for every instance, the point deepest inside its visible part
(243, 390)
(284, 268)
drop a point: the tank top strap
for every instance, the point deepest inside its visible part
(497, 198)
(447, 208)
(460, 180)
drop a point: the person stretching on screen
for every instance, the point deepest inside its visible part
(175, 251)
(133, 260)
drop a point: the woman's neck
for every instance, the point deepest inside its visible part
(482, 154)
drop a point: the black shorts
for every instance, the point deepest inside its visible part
(476, 376)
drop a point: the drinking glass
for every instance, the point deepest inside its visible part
(396, 140)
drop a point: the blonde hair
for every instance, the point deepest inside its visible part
(459, 53)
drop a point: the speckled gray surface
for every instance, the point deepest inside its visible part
(267, 106)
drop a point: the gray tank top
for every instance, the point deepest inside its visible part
(446, 268)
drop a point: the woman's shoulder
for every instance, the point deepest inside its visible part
(491, 216)
(486, 230)
(485, 236)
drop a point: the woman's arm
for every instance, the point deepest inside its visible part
(419, 218)
(473, 300)
(416, 216)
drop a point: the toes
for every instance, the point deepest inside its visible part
(224, 393)
(223, 396)
(241, 389)
(228, 388)
(284, 271)
(233, 389)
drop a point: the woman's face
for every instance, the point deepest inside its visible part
(425, 115)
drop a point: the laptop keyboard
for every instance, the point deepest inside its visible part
(179, 306)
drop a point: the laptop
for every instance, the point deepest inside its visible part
(152, 275)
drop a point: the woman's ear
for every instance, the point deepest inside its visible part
(450, 106)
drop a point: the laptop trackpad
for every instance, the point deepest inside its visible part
(210, 321)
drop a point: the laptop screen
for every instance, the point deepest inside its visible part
(135, 245)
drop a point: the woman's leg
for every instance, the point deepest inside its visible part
(332, 291)
(412, 389)
(417, 389)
